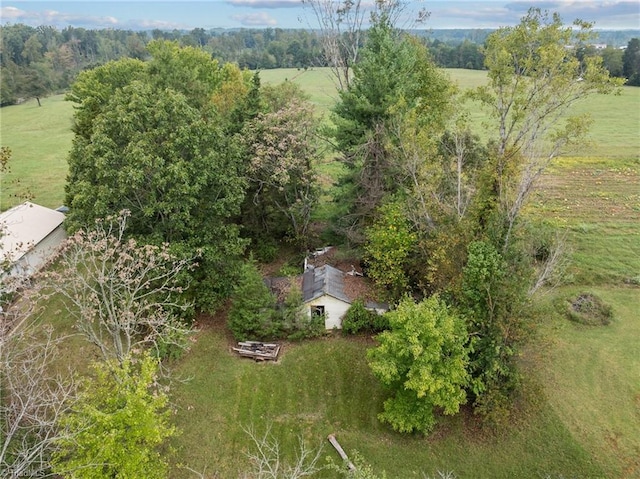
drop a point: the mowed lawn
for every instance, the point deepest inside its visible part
(581, 416)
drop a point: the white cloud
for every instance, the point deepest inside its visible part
(9, 13)
(484, 14)
(61, 20)
(56, 18)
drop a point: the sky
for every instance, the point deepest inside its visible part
(189, 14)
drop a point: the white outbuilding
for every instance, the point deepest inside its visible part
(29, 235)
(323, 293)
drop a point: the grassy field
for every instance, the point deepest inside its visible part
(39, 138)
(615, 131)
(316, 82)
(582, 413)
(324, 387)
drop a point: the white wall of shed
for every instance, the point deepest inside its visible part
(334, 310)
(37, 256)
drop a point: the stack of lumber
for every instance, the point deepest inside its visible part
(257, 350)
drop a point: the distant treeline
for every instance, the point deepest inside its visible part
(37, 61)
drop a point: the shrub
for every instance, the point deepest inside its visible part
(265, 249)
(589, 309)
(296, 323)
(360, 319)
(252, 312)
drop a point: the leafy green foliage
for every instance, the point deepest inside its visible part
(149, 138)
(117, 425)
(252, 313)
(422, 360)
(360, 319)
(297, 324)
(535, 78)
(390, 242)
(394, 78)
(255, 315)
(493, 296)
(631, 62)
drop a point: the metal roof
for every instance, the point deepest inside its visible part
(328, 280)
(24, 226)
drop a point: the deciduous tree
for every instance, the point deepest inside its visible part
(422, 360)
(150, 139)
(124, 296)
(117, 425)
(390, 242)
(534, 80)
(283, 189)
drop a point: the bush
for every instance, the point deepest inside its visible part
(360, 319)
(252, 312)
(265, 249)
(589, 309)
(296, 323)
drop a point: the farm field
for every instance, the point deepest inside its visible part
(581, 413)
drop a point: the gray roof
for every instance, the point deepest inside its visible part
(24, 226)
(328, 280)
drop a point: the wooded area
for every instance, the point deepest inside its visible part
(38, 61)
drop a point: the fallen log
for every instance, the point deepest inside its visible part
(334, 442)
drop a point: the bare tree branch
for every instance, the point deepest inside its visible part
(123, 295)
(32, 398)
(266, 458)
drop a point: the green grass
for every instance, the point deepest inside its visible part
(596, 202)
(591, 379)
(316, 82)
(39, 139)
(590, 374)
(324, 386)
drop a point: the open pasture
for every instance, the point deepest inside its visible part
(39, 139)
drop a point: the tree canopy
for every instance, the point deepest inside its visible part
(422, 360)
(458, 229)
(117, 425)
(394, 79)
(150, 139)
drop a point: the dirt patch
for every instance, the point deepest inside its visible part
(587, 192)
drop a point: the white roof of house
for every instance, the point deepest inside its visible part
(24, 226)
